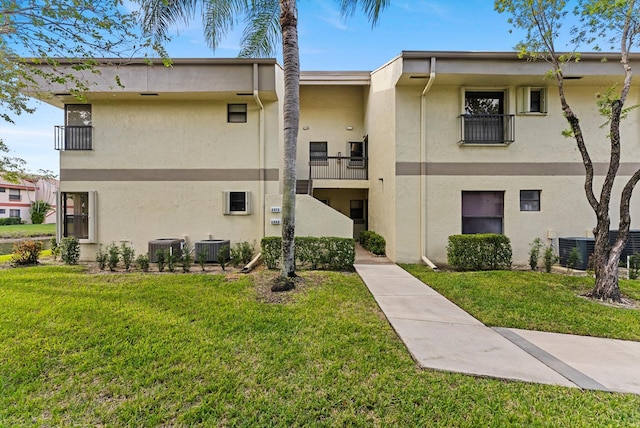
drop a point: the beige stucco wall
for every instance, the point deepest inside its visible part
(326, 111)
(381, 124)
(313, 218)
(534, 161)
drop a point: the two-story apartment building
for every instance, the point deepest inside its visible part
(428, 145)
(16, 198)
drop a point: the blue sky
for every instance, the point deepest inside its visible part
(327, 42)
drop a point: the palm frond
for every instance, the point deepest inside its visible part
(371, 8)
(262, 29)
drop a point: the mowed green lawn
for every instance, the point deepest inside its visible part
(27, 230)
(202, 350)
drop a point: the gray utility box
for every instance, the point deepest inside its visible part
(211, 248)
(174, 245)
(585, 249)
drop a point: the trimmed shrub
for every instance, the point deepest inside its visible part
(326, 253)
(70, 250)
(373, 242)
(127, 255)
(10, 221)
(113, 256)
(241, 253)
(142, 261)
(26, 252)
(479, 252)
(101, 258)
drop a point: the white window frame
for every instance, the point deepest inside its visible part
(91, 215)
(12, 213)
(524, 100)
(226, 198)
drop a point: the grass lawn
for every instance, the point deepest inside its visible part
(536, 301)
(189, 350)
(27, 230)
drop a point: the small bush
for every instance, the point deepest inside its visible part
(26, 252)
(55, 248)
(329, 253)
(373, 242)
(10, 221)
(142, 262)
(534, 253)
(101, 258)
(202, 258)
(161, 259)
(70, 250)
(222, 256)
(241, 253)
(185, 259)
(479, 252)
(127, 254)
(550, 258)
(574, 259)
(634, 266)
(113, 257)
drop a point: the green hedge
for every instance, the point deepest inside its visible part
(10, 221)
(326, 253)
(373, 242)
(479, 252)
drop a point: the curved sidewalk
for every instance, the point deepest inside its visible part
(439, 335)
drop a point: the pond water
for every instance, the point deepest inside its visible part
(6, 245)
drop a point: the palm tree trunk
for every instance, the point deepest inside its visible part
(291, 58)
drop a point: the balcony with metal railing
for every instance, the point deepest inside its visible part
(487, 128)
(74, 138)
(339, 168)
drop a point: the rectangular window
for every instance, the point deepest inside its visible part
(3, 189)
(78, 129)
(356, 153)
(236, 113)
(530, 200)
(484, 120)
(356, 211)
(14, 213)
(482, 212)
(318, 152)
(236, 203)
(75, 215)
(3, 211)
(14, 195)
(532, 100)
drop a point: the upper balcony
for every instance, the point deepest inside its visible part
(74, 138)
(489, 129)
(339, 168)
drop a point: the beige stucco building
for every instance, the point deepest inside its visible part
(428, 145)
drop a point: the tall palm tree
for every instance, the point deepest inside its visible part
(265, 22)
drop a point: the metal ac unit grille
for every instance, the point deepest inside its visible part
(172, 244)
(211, 248)
(585, 249)
(633, 243)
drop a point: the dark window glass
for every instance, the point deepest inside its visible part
(237, 201)
(482, 212)
(236, 113)
(76, 215)
(529, 200)
(318, 151)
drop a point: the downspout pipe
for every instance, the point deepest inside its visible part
(261, 149)
(423, 164)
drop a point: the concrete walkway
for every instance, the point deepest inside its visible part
(439, 335)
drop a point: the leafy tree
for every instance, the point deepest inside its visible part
(36, 32)
(266, 21)
(611, 21)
